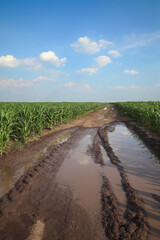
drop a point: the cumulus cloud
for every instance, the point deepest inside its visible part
(125, 87)
(51, 57)
(12, 62)
(114, 53)
(89, 71)
(84, 88)
(85, 45)
(43, 79)
(25, 83)
(132, 72)
(53, 71)
(15, 83)
(69, 84)
(102, 61)
(30, 63)
(9, 61)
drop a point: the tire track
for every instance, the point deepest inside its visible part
(115, 226)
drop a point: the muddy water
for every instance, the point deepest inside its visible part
(82, 176)
(143, 170)
(111, 172)
(10, 173)
(81, 173)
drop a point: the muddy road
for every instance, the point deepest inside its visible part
(92, 179)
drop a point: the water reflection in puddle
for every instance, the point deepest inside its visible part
(81, 173)
(84, 176)
(143, 170)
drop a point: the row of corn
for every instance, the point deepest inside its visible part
(19, 121)
(147, 113)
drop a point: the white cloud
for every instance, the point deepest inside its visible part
(53, 71)
(84, 88)
(51, 57)
(15, 83)
(85, 45)
(31, 63)
(43, 79)
(125, 87)
(132, 72)
(114, 53)
(9, 61)
(12, 62)
(102, 61)
(157, 85)
(89, 71)
(25, 83)
(69, 84)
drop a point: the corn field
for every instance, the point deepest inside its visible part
(147, 113)
(19, 121)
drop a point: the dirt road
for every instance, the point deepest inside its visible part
(78, 184)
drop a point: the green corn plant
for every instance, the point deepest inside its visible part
(39, 116)
(24, 128)
(30, 118)
(147, 113)
(50, 117)
(6, 124)
(61, 114)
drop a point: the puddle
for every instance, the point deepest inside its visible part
(111, 172)
(81, 173)
(143, 170)
(10, 173)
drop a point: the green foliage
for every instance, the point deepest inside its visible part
(6, 125)
(19, 121)
(147, 113)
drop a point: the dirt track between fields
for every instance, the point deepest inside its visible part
(44, 204)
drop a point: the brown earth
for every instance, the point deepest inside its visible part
(137, 225)
(38, 206)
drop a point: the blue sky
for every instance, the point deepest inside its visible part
(79, 50)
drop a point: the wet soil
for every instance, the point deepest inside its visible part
(137, 226)
(76, 186)
(143, 173)
(13, 166)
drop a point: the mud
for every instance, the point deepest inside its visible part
(143, 171)
(137, 225)
(39, 197)
(16, 164)
(70, 191)
(96, 150)
(110, 170)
